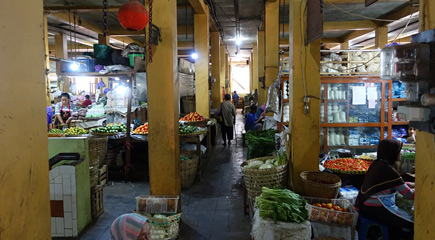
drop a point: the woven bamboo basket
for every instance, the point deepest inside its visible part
(94, 174)
(256, 179)
(166, 228)
(188, 170)
(320, 184)
(97, 151)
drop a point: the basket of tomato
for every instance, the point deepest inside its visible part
(348, 165)
(331, 211)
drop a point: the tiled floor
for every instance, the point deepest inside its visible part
(212, 208)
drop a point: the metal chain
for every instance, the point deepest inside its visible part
(105, 18)
(150, 37)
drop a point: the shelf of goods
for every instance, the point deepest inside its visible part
(349, 62)
(285, 100)
(356, 112)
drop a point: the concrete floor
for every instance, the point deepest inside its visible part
(212, 208)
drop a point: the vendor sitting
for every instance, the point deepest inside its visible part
(130, 226)
(63, 110)
(87, 102)
(252, 122)
(376, 198)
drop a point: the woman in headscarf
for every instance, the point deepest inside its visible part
(383, 179)
(130, 227)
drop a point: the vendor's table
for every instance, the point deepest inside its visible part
(326, 230)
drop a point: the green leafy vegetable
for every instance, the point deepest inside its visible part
(260, 143)
(281, 205)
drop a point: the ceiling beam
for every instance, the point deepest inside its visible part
(356, 1)
(198, 6)
(330, 40)
(81, 8)
(80, 23)
(349, 25)
(118, 32)
(354, 34)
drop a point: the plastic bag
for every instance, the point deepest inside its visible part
(115, 68)
(274, 96)
(132, 48)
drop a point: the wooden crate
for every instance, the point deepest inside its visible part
(97, 207)
(102, 175)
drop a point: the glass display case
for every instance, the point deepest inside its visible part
(356, 112)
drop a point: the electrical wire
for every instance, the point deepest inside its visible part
(377, 55)
(358, 15)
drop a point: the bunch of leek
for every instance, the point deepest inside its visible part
(281, 205)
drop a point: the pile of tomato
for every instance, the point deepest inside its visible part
(331, 206)
(142, 129)
(192, 117)
(348, 165)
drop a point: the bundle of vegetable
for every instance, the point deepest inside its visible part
(281, 205)
(192, 117)
(72, 131)
(56, 131)
(260, 143)
(280, 159)
(142, 129)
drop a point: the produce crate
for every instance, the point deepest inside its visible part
(156, 204)
(94, 176)
(102, 175)
(97, 207)
(329, 216)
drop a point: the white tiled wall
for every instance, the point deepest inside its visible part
(63, 187)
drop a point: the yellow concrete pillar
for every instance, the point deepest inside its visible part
(47, 63)
(215, 69)
(255, 67)
(61, 46)
(201, 35)
(103, 39)
(251, 73)
(260, 45)
(427, 15)
(223, 71)
(305, 128)
(271, 43)
(164, 158)
(425, 155)
(381, 37)
(25, 192)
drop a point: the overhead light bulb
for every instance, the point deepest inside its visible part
(238, 41)
(121, 90)
(194, 55)
(74, 66)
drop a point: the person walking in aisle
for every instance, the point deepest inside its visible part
(228, 113)
(236, 99)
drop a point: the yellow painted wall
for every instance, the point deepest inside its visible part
(305, 128)
(215, 69)
(24, 181)
(164, 158)
(260, 45)
(201, 32)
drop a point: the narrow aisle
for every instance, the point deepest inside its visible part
(213, 207)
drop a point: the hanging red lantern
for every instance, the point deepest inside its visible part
(133, 16)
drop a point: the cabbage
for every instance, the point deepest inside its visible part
(270, 161)
(266, 166)
(255, 164)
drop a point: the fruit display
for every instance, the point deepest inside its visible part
(120, 127)
(332, 213)
(141, 129)
(192, 117)
(56, 131)
(74, 131)
(348, 165)
(189, 130)
(109, 129)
